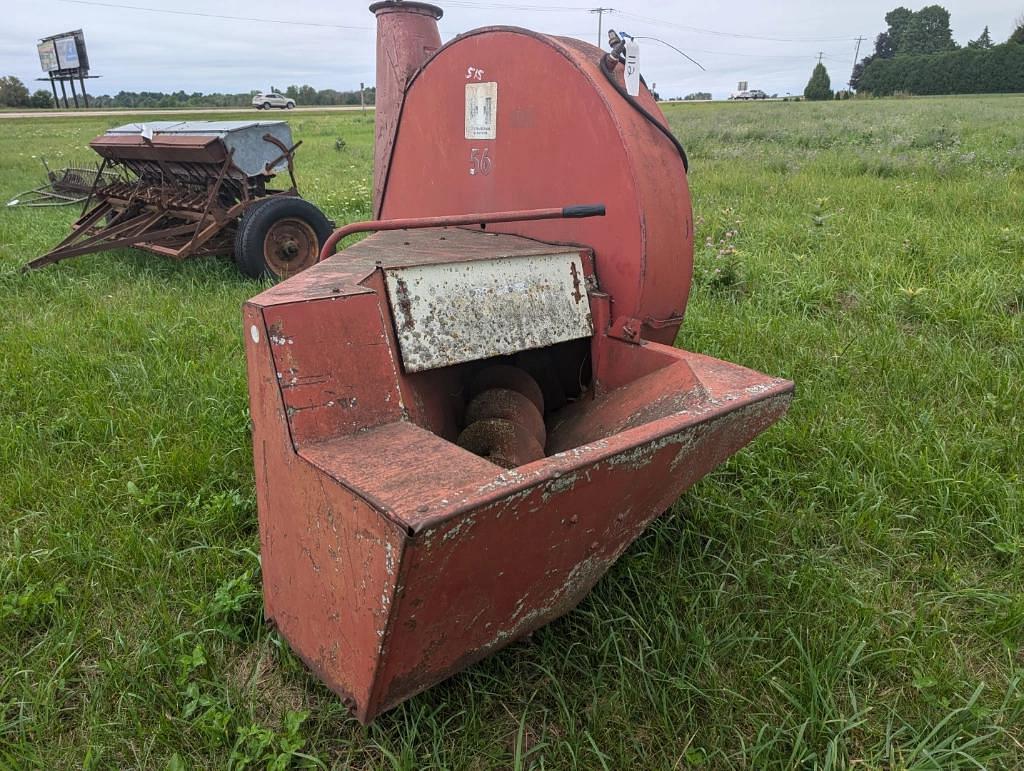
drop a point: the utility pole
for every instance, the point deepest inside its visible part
(600, 16)
(856, 58)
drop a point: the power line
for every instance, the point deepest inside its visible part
(719, 33)
(802, 57)
(514, 6)
(468, 4)
(677, 50)
(762, 74)
(489, 5)
(214, 15)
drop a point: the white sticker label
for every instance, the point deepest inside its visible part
(481, 110)
(632, 68)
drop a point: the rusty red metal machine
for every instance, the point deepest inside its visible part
(463, 420)
(65, 186)
(190, 188)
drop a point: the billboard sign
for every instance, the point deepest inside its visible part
(47, 56)
(63, 52)
(67, 52)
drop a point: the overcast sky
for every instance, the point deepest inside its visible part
(772, 45)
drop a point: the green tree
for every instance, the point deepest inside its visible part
(983, 41)
(912, 33)
(886, 44)
(999, 69)
(41, 98)
(899, 20)
(884, 47)
(819, 87)
(13, 92)
(858, 71)
(927, 32)
(1018, 33)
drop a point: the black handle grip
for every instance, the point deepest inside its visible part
(584, 210)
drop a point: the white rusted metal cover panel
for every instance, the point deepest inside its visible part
(450, 313)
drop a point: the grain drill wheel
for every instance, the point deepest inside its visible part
(280, 237)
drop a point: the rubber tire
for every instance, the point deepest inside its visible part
(266, 105)
(254, 224)
(290, 106)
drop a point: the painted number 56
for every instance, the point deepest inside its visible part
(480, 161)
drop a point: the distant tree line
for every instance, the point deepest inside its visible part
(327, 96)
(997, 70)
(13, 93)
(917, 55)
(303, 95)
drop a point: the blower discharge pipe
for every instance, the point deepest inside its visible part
(411, 223)
(407, 36)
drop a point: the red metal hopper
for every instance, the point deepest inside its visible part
(458, 430)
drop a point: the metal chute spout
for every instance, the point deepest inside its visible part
(407, 36)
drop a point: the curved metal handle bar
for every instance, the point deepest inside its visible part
(410, 223)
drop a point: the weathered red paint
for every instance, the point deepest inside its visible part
(563, 136)
(406, 37)
(162, 147)
(342, 435)
(393, 557)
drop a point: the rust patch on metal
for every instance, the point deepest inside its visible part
(577, 295)
(405, 305)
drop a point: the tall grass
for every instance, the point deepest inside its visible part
(847, 591)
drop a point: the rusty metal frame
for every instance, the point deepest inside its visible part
(287, 154)
(63, 187)
(175, 207)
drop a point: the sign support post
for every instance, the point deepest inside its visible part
(64, 59)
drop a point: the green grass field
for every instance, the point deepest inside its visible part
(847, 592)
